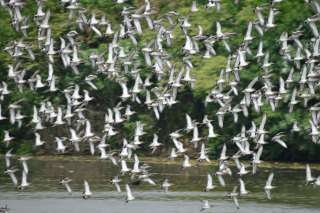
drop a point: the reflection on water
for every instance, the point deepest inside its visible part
(187, 184)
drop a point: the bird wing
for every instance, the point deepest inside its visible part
(263, 122)
(221, 180)
(253, 82)
(68, 188)
(223, 152)
(86, 187)
(236, 202)
(209, 182)
(270, 178)
(117, 187)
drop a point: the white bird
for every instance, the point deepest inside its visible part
(75, 139)
(221, 180)
(309, 177)
(145, 177)
(203, 154)
(87, 192)
(270, 21)
(256, 159)
(243, 170)
(7, 138)
(234, 196)
(38, 141)
(7, 158)
(209, 185)
(211, 133)
(102, 149)
(24, 160)
(65, 182)
(35, 117)
(194, 7)
(129, 194)
(115, 181)
(125, 93)
(268, 187)
(205, 205)
(186, 162)
(223, 155)
(189, 123)
(11, 173)
(173, 154)
(136, 168)
(124, 167)
(243, 190)
(195, 136)
(88, 133)
(155, 143)
(317, 182)
(60, 146)
(24, 181)
(166, 185)
(278, 138)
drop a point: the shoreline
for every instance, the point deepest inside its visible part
(164, 160)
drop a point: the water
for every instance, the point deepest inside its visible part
(45, 194)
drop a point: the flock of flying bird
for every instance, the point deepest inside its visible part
(159, 88)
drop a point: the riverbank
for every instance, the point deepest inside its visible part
(163, 160)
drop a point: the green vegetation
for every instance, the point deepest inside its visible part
(233, 18)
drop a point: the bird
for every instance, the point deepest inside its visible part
(24, 163)
(210, 184)
(7, 158)
(24, 181)
(317, 182)
(243, 190)
(87, 192)
(186, 162)
(65, 182)
(60, 146)
(125, 169)
(115, 181)
(243, 170)
(7, 138)
(309, 177)
(38, 141)
(166, 185)
(155, 144)
(136, 165)
(205, 205)
(11, 173)
(203, 154)
(129, 197)
(223, 155)
(277, 138)
(268, 187)
(234, 196)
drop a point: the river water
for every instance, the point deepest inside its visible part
(46, 195)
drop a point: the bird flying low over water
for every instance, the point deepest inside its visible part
(129, 194)
(65, 182)
(268, 187)
(87, 192)
(309, 177)
(115, 181)
(234, 196)
(205, 205)
(209, 185)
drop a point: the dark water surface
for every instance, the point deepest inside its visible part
(45, 194)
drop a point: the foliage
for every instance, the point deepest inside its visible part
(191, 100)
